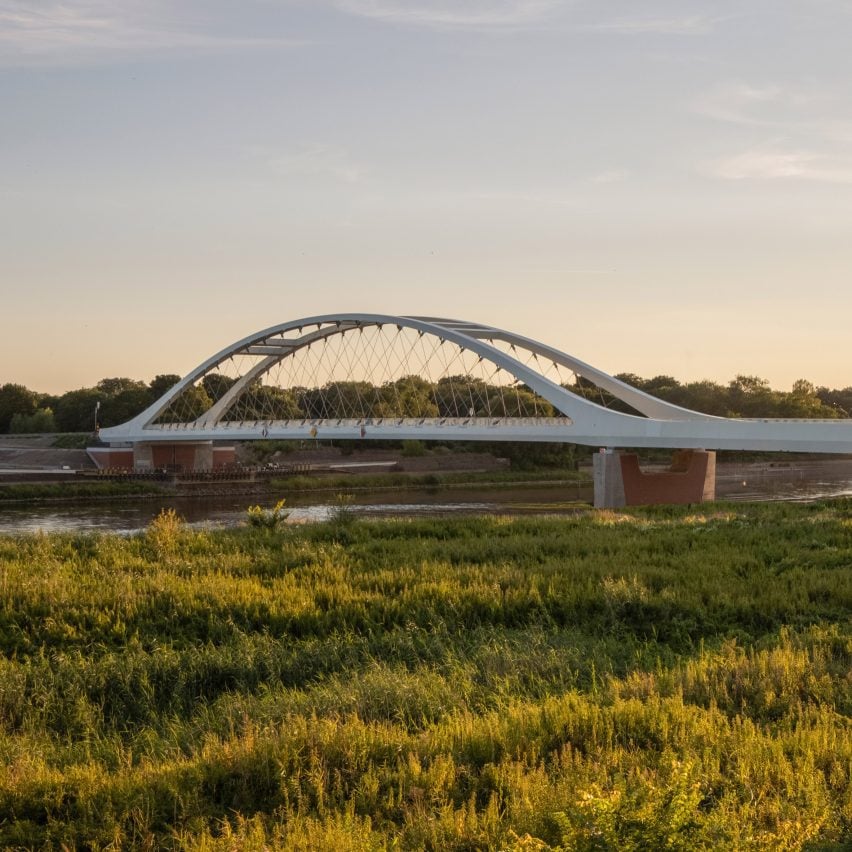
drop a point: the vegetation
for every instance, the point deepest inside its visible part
(395, 481)
(267, 519)
(82, 491)
(41, 420)
(72, 441)
(32, 491)
(661, 678)
(747, 396)
(119, 399)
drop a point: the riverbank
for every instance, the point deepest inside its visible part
(660, 678)
(76, 491)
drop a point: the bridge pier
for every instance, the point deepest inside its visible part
(619, 481)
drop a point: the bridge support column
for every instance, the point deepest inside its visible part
(609, 483)
(619, 481)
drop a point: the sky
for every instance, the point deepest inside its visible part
(655, 187)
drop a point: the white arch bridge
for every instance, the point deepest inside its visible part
(375, 376)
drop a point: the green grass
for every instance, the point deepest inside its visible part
(72, 441)
(396, 481)
(666, 678)
(82, 491)
(36, 491)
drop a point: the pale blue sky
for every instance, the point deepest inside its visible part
(654, 187)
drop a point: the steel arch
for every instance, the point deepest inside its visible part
(582, 421)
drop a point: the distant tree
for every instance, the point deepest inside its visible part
(113, 387)
(706, 397)
(15, 399)
(160, 384)
(839, 400)
(264, 402)
(41, 420)
(75, 410)
(410, 396)
(187, 406)
(751, 396)
(124, 405)
(804, 401)
(461, 396)
(216, 385)
(48, 400)
(666, 388)
(339, 400)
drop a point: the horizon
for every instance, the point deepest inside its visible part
(665, 190)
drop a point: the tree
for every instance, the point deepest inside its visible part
(160, 384)
(75, 410)
(187, 406)
(706, 397)
(341, 400)
(216, 385)
(113, 387)
(15, 399)
(804, 401)
(124, 405)
(40, 421)
(410, 396)
(751, 396)
(839, 400)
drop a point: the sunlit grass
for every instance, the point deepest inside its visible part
(661, 678)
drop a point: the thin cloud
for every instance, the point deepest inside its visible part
(778, 164)
(610, 176)
(736, 103)
(57, 33)
(767, 105)
(681, 25)
(453, 14)
(313, 160)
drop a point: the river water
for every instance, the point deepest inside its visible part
(796, 481)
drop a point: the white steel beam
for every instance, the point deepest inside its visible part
(581, 421)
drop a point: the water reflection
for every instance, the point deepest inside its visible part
(132, 516)
(793, 481)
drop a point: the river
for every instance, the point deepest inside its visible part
(794, 481)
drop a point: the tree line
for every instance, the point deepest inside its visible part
(118, 399)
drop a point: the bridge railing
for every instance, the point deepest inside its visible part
(301, 424)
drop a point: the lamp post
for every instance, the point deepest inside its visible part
(97, 409)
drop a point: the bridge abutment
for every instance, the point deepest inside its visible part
(619, 481)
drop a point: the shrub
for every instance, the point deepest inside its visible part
(413, 449)
(267, 519)
(164, 532)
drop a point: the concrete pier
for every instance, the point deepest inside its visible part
(619, 481)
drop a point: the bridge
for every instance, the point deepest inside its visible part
(379, 377)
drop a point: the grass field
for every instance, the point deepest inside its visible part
(658, 679)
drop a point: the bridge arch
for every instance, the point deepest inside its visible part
(545, 394)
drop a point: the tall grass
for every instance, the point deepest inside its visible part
(649, 679)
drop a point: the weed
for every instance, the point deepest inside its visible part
(268, 519)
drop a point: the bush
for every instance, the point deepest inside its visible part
(27, 424)
(267, 519)
(413, 449)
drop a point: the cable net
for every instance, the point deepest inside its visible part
(340, 371)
